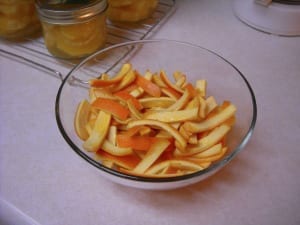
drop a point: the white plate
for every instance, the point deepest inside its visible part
(276, 18)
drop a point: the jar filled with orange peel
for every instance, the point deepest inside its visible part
(130, 10)
(73, 29)
(18, 19)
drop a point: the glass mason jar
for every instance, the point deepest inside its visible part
(18, 18)
(73, 28)
(130, 10)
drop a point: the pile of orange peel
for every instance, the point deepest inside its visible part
(151, 126)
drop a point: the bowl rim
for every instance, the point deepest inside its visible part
(211, 169)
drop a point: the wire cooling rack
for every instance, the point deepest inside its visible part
(33, 52)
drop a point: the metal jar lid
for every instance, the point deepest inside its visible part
(69, 11)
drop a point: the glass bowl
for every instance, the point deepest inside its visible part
(224, 82)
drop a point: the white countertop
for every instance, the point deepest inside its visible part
(43, 181)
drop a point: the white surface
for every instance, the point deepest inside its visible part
(9, 214)
(44, 179)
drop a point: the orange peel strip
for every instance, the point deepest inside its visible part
(111, 106)
(173, 116)
(210, 159)
(182, 101)
(102, 83)
(129, 161)
(126, 81)
(169, 83)
(81, 119)
(214, 150)
(149, 87)
(211, 122)
(177, 163)
(151, 102)
(116, 150)
(156, 149)
(208, 141)
(182, 142)
(211, 104)
(171, 93)
(201, 87)
(99, 132)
